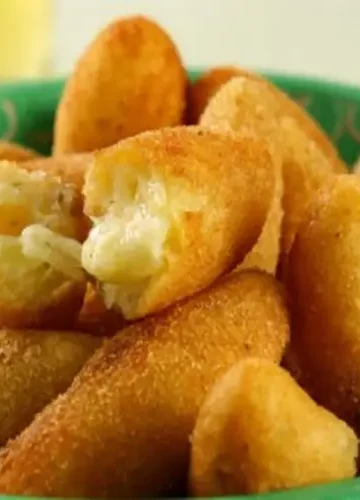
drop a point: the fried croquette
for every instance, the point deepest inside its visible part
(34, 368)
(96, 318)
(14, 152)
(130, 79)
(122, 429)
(173, 210)
(247, 104)
(70, 169)
(37, 198)
(258, 431)
(324, 286)
(205, 87)
(42, 284)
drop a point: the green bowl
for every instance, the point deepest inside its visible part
(27, 115)
(27, 110)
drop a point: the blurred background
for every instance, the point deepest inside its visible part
(311, 37)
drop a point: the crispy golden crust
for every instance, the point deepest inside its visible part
(41, 306)
(128, 80)
(324, 283)
(258, 431)
(228, 180)
(96, 318)
(14, 152)
(69, 168)
(35, 367)
(205, 87)
(255, 106)
(123, 427)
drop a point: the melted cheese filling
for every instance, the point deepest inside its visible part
(60, 253)
(126, 245)
(136, 234)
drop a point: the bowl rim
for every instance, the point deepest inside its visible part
(328, 86)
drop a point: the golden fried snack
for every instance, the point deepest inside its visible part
(70, 169)
(122, 429)
(171, 214)
(247, 104)
(42, 283)
(96, 318)
(130, 79)
(258, 431)
(324, 284)
(34, 368)
(37, 198)
(14, 152)
(205, 87)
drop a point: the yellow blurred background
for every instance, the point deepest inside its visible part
(25, 38)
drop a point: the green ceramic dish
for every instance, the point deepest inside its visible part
(27, 110)
(27, 115)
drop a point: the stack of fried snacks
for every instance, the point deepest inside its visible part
(171, 240)
(122, 430)
(249, 104)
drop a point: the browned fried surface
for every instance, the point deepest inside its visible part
(230, 182)
(96, 318)
(205, 87)
(255, 106)
(44, 306)
(258, 431)
(35, 367)
(14, 152)
(69, 168)
(128, 80)
(324, 283)
(123, 427)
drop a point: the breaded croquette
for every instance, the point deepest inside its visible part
(122, 429)
(173, 210)
(14, 152)
(258, 431)
(255, 106)
(130, 79)
(70, 169)
(34, 368)
(42, 284)
(324, 287)
(205, 87)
